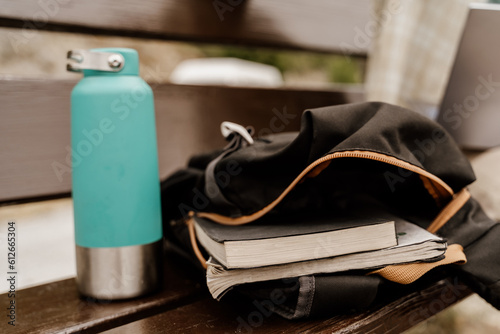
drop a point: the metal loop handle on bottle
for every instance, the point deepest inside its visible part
(80, 60)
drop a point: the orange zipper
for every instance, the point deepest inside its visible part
(449, 210)
(438, 189)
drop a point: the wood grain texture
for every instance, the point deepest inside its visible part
(210, 316)
(35, 126)
(320, 25)
(57, 307)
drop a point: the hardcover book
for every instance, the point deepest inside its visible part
(278, 240)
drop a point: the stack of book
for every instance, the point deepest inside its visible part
(283, 247)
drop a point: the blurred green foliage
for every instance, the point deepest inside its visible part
(339, 69)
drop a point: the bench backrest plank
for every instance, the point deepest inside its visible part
(35, 127)
(321, 25)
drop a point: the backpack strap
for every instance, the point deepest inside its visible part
(194, 243)
(458, 201)
(408, 273)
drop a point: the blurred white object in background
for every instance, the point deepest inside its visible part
(226, 71)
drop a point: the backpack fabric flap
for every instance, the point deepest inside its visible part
(479, 235)
(262, 171)
(254, 176)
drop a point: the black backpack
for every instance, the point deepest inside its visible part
(343, 157)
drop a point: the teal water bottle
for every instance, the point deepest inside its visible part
(116, 189)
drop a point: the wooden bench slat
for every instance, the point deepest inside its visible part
(210, 316)
(321, 25)
(35, 126)
(57, 307)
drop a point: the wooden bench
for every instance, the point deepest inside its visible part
(34, 133)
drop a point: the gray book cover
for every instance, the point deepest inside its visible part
(284, 226)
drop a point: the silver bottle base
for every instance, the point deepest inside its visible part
(119, 272)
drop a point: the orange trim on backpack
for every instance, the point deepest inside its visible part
(436, 187)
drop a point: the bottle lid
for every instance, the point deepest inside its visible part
(121, 61)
